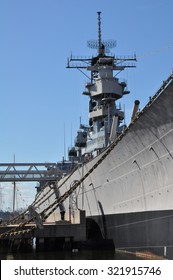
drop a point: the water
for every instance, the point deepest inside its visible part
(67, 255)
(97, 250)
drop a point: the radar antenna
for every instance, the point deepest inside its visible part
(99, 33)
(101, 45)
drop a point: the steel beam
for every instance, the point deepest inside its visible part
(15, 172)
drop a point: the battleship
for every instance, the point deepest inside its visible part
(121, 175)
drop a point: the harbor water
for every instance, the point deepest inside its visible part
(67, 255)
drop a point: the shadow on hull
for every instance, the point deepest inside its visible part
(150, 231)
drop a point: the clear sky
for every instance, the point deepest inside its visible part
(41, 100)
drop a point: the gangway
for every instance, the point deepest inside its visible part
(16, 172)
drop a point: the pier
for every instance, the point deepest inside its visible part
(47, 230)
(51, 235)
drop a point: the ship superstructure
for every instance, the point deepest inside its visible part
(103, 89)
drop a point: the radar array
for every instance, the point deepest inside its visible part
(103, 46)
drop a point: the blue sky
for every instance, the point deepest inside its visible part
(40, 98)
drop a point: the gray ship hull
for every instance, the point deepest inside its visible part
(142, 231)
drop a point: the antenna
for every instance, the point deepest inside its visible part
(14, 190)
(64, 144)
(99, 33)
(101, 45)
